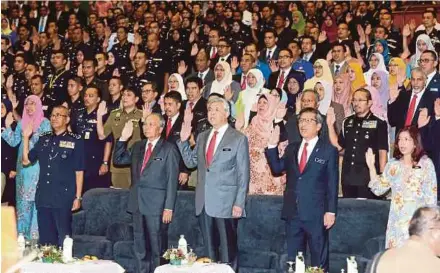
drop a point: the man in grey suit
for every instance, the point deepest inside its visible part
(154, 170)
(221, 156)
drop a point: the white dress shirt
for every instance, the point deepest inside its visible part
(223, 59)
(173, 119)
(272, 51)
(153, 144)
(221, 132)
(307, 56)
(311, 145)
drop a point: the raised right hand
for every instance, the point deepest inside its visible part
(27, 131)
(406, 31)
(9, 120)
(10, 82)
(331, 117)
(188, 115)
(370, 158)
(394, 93)
(274, 138)
(423, 119)
(102, 108)
(185, 132)
(127, 131)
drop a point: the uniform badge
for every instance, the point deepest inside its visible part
(118, 114)
(87, 135)
(44, 107)
(64, 156)
(67, 144)
(350, 123)
(93, 121)
(371, 124)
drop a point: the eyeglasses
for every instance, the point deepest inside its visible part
(222, 46)
(306, 120)
(284, 57)
(317, 66)
(358, 101)
(307, 101)
(420, 61)
(147, 91)
(58, 115)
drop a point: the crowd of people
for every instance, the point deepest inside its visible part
(94, 93)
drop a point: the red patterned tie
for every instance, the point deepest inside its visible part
(410, 114)
(169, 126)
(281, 80)
(147, 156)
(214, 53)
(211, 147)
(303, 161)
(243, 82)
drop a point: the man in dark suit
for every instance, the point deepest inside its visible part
(221, 156)
(174, 119)
(42, 21)
(271, 50)
(196, 104)
(202, 68)
(428, 63)
(81, 15)
(285, 71)
(308, 48)
(154, 168)
(223, 54)
(404, 107)
(311, 195)
(60, 17)
(149, 96)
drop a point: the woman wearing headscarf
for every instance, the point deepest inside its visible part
(298, 23)
(379, 81)
(325, 92)
(178, 47)
(356, 76)
(330, 27)
(342, 93)
(377, 63)
(322, 74)
(9, 158)
(27, 178)
(381, 46)
(262, 182)
(222, 82)
(423, 43)
(249, 96)
(175, 83)
(7, 31)
(295, 85)
(398, 74)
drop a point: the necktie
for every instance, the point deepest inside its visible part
(211, 147)
(303, 160)
(243, 82)
(281, 80)
(222, 59)
(169, 126)
(412, 108)
(269, 55)
(147, 156)
(201, 75)
(41, 28)
(214, 53)
(337, 69)
(191, 105)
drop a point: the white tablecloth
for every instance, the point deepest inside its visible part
(77, 267)
(195, 268)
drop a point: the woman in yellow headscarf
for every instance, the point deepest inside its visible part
(356, 76)
(398, 73)
(322, 73)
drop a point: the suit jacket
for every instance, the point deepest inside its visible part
(275, 54)
(214, 61)
(342, 70)
(174, 136)
(314, 192)
(154, 189)
(292, 130)
(208, 78)
(225, 182)
(398, 110)
(434, 84)
(61, 22)
(200, 111)
(80, 15)
(273, 78)
(314, 57)
(340, 115)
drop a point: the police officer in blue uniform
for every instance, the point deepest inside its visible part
(56, 85)
(84, 122)
(61, 158)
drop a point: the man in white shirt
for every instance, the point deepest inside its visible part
(428, 62)
(43, 19)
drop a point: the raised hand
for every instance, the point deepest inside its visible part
(136, 27)
(273, 66)
(274, 138)
(322, 36)
(348, 18)
(116, 73)
(412, 25)
(423, 119)
(194, 49)
(368, 30)
(146, 110)
(27, 131)
(80, 71)
(192, 36)
(137, 39)
(298, 103)
(228, 93)
(281, 111)
(107, 32)
(133, 52)
(14, 101)
(370, 158)
(394, 93)
(239, 122)
(185, 132)
(9, 120)
(357, 47)
(406, 31)
(127, 132)
(234, 63)
(27, 46)
(188, 115)
(10, 82)
(437, 108)
(182, 68)
(102, 108)
(331, 117)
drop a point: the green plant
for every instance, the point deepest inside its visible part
(314, 269)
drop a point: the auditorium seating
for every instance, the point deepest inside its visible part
(103, 229)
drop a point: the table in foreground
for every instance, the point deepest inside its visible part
(77, 267)
(195, 268)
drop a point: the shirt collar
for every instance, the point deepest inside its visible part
(312, 142)
(221, 130)
(173, 119)
(153, 143)
(430, 76)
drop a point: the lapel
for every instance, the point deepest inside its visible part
(312, 155)
(205, 144)
(154, 153)
(220, 146)
(295, 156)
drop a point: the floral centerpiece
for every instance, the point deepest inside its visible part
(174, 255)
(314, 269)
(51, 254)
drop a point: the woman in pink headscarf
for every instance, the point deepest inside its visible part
(342, 93)
(330, 27)
(262, 181)
(27, 178)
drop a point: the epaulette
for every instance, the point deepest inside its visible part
(115, 110)
(48, 133)
(77, 136)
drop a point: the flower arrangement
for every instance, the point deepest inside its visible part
(174, 255)
(51, 254)
(314, 269)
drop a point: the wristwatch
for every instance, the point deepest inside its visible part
(79, 198)
(105, 162)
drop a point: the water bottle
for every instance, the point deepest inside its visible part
(352, 265)
(67, 249)
(300, 266)
(183, 245)
(21, 243)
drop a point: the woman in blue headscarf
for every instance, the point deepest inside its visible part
(295, 85)
(381, 46)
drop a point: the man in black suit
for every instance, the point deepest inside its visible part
(80, 14)
(308, 48)
(154, 168)
(223, 54)
(278, 79)
(202, 68)
(195, 103)
(247, 63)
(428, 62)
(174, 119)
(60, 17)
(212, 49)
(149, 97)
(311, 196)
(271, 50)
(42, 21)
(404, 106)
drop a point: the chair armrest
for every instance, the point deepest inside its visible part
(373, 246)
(78, 222)
(119, 232)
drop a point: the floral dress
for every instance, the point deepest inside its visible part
(26, 180)
(411, 188)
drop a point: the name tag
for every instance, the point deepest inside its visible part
(45, 107)
(369, 124)
(319, 160)
(158, 158)
(92, 121)
(67, 144)
(227, 149)
(434, 89)
(87, 135)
